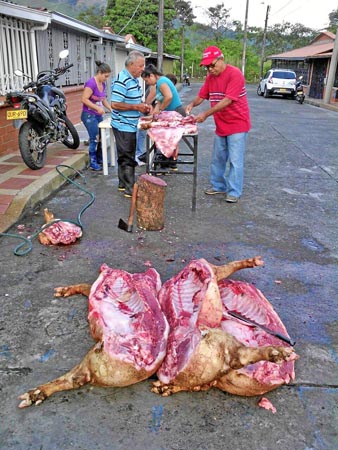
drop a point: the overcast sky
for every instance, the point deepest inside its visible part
(311, 13)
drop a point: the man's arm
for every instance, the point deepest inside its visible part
(121, 106)
(209, 112)
(197, 101)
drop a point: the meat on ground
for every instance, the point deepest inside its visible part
(200, 354)
(59, 232)
(130, 329)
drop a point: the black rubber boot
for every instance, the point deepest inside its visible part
(99, 153)
(120, 173)
(129, 180)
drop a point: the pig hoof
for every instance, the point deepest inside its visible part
(161, 389)
(33, 397)
(280, 354)
(62, 291)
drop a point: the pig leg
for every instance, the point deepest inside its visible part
(67, 291)
(49, 216)
(97, 368)
(219, 353)
(73, 379)
(225, 271)
(250, 355)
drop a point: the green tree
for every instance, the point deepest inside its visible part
(139, 19)
(284, 37)
(333, 18)
(185, 17)
(94, 15)
(218, 16)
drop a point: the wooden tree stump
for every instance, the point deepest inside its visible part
(150, 202)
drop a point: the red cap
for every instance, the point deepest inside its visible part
(209, 54)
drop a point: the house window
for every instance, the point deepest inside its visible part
(16, 48)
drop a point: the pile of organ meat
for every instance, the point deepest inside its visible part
(56, 231)
(183, 331)
(167, 128)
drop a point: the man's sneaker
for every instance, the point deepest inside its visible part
(231, 199)
(173, 164)
(212, 191)
(143, 157)
(127, 194)
(139, 162)
(121, 188)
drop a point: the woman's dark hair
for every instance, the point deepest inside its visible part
(150, 70)
(172, 78)
(102, 67)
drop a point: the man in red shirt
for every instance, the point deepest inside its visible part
(224, 87)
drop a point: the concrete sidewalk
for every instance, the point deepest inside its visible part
(22, 188)
(321, 104)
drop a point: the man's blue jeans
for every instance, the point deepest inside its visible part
(228, 150)
(140, 142)
(91, 122)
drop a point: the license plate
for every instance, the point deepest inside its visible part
(282, 90)
(17, 114)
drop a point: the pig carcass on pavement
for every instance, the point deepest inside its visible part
(178, 330)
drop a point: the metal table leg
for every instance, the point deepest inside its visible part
(191, 141)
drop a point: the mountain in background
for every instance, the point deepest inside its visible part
(70, 8)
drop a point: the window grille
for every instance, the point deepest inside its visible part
(16, 47)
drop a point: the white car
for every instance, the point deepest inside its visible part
(278, 82)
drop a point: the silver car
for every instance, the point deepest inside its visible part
(278, 82)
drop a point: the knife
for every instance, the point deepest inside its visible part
(280, 336)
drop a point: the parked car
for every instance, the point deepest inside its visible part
(278, 82)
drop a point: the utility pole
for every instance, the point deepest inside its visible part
(245, 36)
(160, 36)
(182, 53)
(264, 40)
(332, 71)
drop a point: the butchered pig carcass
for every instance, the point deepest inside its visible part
(130, 328)
(207, 347)
(204, 348)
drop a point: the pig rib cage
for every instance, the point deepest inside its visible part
(153, 161)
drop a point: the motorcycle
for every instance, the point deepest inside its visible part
(43, 105)
(299, 93)
(186, 80)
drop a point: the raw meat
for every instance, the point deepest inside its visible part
(263, 376)
(206, 347)
(59, 232)
(266, 404)
(166, 130)
(200, 354)
(131, 332)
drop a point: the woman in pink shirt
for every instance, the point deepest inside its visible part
(94, 99)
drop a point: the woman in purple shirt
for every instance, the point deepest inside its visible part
(94, 101)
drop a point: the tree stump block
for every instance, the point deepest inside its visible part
(150, 202)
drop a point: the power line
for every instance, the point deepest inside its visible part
(135, 11)
(281, 9)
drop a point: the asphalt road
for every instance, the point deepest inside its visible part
(288, 215)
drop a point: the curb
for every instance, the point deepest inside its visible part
(40, 190)
(321, 104)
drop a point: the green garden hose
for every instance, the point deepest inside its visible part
(26, 246)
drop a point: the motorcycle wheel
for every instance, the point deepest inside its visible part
(72, 140)
(33, 154)
(301, 99)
